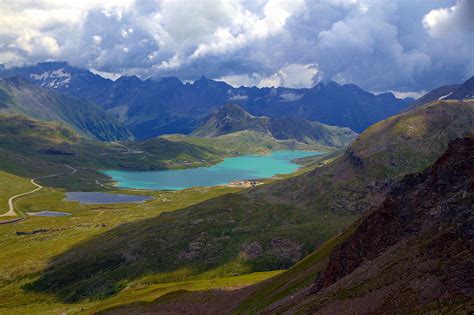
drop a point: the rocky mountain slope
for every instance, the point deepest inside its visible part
(464, 91)
(231, 118)
(19, 96)
(437, 94)
(154, 107)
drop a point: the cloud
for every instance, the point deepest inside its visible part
(446, 21)
(292, 76)
(379, 45)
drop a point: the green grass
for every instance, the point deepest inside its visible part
(24, 257)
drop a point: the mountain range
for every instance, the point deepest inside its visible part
(164, 106)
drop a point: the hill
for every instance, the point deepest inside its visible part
(232, 118)
(267, 228)
(19, 96)
(167, 106)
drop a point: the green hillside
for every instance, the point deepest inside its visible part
(18, 96)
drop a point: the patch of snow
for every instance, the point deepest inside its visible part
(444, 96)
(53, 79)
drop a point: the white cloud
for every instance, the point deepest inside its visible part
(444, 21)
(293, 75)
(247, 27)
(413, 94)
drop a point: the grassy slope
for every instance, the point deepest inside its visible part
(24, 256)
(292, 280)
(216, 231)
(402, 144)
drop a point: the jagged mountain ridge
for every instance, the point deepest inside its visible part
(154, 107)
(231, 118)
(19, 96)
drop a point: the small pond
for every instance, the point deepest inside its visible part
(48, 214)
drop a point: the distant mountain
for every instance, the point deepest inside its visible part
(436, 94)
(464, 91)
(448, 92)
(154, 107)
(231, 118)
(63, 78)
(19, 96)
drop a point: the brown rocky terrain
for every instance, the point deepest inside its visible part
(413, 253)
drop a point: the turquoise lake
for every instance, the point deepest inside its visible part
(233, 168)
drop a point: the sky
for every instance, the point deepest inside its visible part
(406, 46)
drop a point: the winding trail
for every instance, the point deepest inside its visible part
(11, 205)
